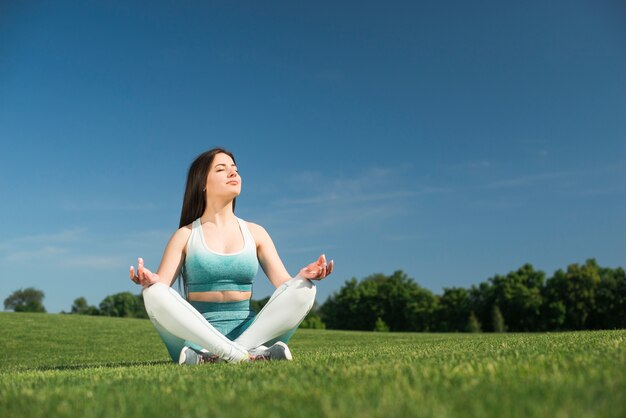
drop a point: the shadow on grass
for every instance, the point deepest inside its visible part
(111, 365)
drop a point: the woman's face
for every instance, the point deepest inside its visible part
(223, 179)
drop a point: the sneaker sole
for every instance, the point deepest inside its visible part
(287, 351)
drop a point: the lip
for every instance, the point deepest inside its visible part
(234, 182)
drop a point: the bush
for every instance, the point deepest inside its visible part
(313, 321)
(472, 323)
(380, 326)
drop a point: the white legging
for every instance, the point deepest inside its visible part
(285, 310)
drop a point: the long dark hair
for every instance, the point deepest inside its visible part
(194, 201)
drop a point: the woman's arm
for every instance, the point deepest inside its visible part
(171, 262)
(274, 268)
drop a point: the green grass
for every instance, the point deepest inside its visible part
(68, 366)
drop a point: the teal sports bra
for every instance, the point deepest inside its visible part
(207, 270)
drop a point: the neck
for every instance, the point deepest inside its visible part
(218, 213)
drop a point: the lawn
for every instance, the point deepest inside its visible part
(56, 365)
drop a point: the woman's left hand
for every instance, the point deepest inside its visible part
(317, 270)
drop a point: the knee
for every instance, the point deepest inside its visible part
(154, 293)
(305, 291)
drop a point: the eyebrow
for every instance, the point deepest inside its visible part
(224, 165)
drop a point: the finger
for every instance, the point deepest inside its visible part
(140, 267)
(133, 277)
(331, 265)
(323, 266)
(319, 272)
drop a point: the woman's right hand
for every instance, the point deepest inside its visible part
(144, 276)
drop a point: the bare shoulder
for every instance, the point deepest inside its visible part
(181, 236)
(258, 232)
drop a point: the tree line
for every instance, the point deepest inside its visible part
(123, 304)
(580, 297)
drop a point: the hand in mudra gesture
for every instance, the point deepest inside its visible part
(144, 276)
(317, 270)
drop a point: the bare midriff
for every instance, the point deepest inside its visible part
(220, 296)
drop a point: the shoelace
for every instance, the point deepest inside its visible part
(212, 358)
(262, 357)
(206, 358)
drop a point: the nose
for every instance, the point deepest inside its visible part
(232, 173)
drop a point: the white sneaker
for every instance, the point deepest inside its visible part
(278, 351)
(191, 356)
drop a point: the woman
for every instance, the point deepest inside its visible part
(217, 255)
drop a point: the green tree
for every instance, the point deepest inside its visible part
(400, 302)
(25, 300)
(453, 310)
(481, 302)
(81, 307)
(553, 312)
(498, 320)
(344, 309)
(610, 307)
(123, 304)
(473, 325)
(313, 319)
(518, 297)
(575, 289)
(380, 326)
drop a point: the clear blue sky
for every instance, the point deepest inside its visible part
(452, 140)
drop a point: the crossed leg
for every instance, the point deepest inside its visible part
(178, 322)
(281, 315)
